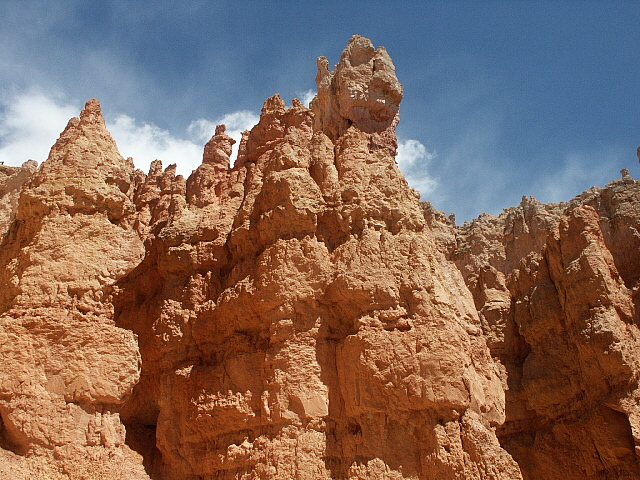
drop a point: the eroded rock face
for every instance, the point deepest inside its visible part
(294, 317)
(556, 287)
(362, 91)
(11, 181)
(66, 367)
(301, 315)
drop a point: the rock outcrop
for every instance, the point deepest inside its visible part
(294, 317)
(302, 315)
(66, 367)
(557, 290)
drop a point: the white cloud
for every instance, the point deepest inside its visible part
(579, 171)
(202, 129)
(147, 142)
(412, 153)
(30, 123)
(306, 97)
(413, 159)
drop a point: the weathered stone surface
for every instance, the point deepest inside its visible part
(66, 367)
(362, 91)
(11, 181)
(294, 317)
(556, 287)
(300, 315)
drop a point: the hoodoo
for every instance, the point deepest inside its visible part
(301, 314)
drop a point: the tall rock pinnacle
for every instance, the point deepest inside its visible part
(295, 318)
(362, 90)
(301, 315)
(66, 368)
(86, 149)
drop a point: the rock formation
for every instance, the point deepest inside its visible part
(302, 315)
(557, 289)
(66, 366)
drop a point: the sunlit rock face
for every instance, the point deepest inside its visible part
(556, 287)
(302, 315)
(66, 367)
(363, 91)
(294, 317)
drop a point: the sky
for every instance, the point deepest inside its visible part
(501, 99)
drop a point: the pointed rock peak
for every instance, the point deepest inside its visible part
(86, 149)
(92, 113)
(362, 91)
(273, 105)
(358, 51)
(155, 169)
(218, 149)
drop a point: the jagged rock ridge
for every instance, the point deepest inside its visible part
(557, 289)
(299, 315)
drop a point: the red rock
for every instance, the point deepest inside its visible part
(66, 367)
(295, 319)
(300, 315)
(556, 288)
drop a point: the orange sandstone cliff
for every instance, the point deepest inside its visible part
(300, 315)
(557, 288)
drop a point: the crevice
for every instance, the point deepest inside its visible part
(141, 438)
(10, 438)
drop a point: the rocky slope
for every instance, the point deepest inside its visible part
(301, 315)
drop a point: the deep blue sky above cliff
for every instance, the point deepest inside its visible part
(502, 99)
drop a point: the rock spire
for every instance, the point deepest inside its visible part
(301, 315)
(362, 91)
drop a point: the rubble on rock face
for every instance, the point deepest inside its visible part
(300, 315)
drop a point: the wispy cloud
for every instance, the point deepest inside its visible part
(306, 97)
(477, 175)
(579, 171)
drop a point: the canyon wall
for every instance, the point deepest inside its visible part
(300, 314)
(557, 290)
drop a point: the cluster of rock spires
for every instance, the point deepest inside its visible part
(302, 315)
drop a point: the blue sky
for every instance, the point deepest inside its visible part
(502, 99)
